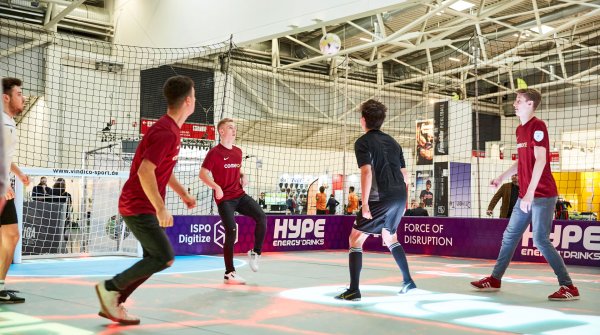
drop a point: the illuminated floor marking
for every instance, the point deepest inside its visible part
(15, 323)
(108, 266)
(460, 309)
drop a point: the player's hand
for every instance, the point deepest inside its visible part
(165, 219)
(189, 201)
(24, 179)
(495, 182)
(366, 212)
(10, 194)
(489, 213)
(218, 192)
(244, 180)
(526, 202)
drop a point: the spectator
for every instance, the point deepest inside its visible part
(321, 201)
(420, 210)
(41, 192)
(332, 204)
(352, 201)
(508, 192)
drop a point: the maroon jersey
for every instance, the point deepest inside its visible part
(161, 147)
(225, 165)
(534, 134)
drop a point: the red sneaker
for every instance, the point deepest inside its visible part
(565, 293)
(487, 284)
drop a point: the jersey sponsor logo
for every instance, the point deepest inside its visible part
(522, 145)
(232, 166)
(538, 135)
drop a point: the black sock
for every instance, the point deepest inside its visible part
(110, 286)
(400, 258)
(355, 265)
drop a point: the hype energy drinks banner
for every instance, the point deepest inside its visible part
(578, 242)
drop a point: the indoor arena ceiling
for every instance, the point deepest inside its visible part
(415, 36)
(425, 46)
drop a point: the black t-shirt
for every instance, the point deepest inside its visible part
(385, 156)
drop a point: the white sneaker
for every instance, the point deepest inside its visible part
(253, 258)
(124, 317)
(233, 278)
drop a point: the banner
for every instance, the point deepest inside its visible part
(423, 187)
(460, 190)
(440, 203)
(188, 130)
(578, 242)
(440, 130)
(424, 142)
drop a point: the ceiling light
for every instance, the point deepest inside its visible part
(545, 29)
(454, 59)
(461, 5)
(365, 39)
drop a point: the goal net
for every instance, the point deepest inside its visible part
(74, 213)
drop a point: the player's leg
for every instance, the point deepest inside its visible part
(517, 224)
(9, 236)
(394, 209)
(356, 241)
(542, 215)
(249, 207)
(227, 214)
(158, 255)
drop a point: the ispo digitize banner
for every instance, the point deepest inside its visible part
(578, 242)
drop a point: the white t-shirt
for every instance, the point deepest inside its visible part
(9, 135)
(3, 170)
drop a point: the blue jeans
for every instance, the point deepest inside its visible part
(540, 215)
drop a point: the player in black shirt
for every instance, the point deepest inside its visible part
(383, 178)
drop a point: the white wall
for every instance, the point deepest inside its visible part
(185, 23)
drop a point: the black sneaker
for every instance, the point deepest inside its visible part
(9, 297)
(350, 295)
(407, 287)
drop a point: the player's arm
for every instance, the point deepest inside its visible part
(539, 153)
(366, 180)
(14, 168)
(509, 172)
(210, 182)
(150, 187)
(243, 179)
(176, 186)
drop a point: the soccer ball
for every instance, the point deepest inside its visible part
(330, 44)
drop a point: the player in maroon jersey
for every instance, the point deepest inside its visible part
(142, 200)
(224, 162)
(536, 202)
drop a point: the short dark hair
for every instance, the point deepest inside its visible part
(351, 188)
(8, 83)
(532, 95)
(428, 182)
(322, 189)
(176, 89)
(374, 113)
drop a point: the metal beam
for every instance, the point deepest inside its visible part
(52, 24)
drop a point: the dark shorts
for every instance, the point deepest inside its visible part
(9, 213)
(386, 215)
